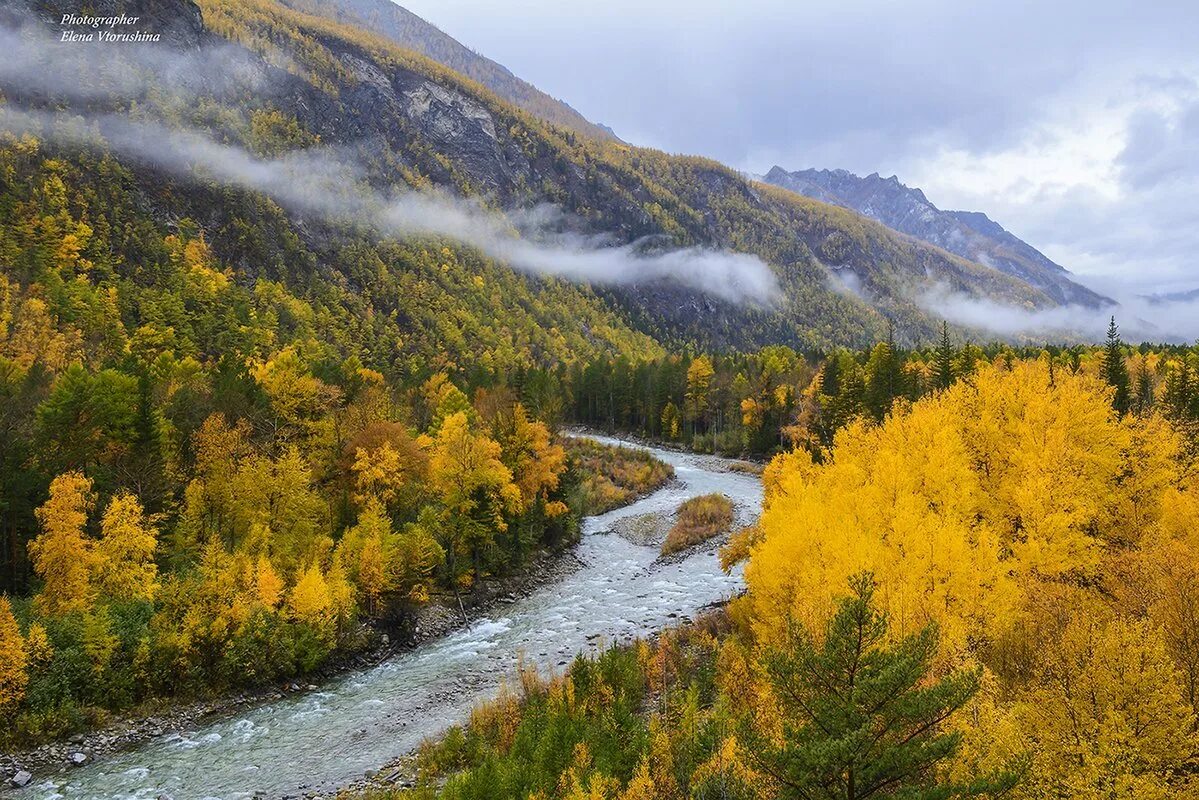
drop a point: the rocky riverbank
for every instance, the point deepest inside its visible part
(438, 618)
(749, 465)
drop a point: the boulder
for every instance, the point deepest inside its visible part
(22, 778)
(77, 759)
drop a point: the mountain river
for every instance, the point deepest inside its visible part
(360, 721)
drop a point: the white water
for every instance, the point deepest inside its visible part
(329, 738)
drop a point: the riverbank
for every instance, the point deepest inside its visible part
(749, 465)
(445, 614)
(711, 622)
(433, 621)
(314, 742)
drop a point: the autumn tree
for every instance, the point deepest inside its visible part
(268, 586)
(475, 489)
(699, 388)
(125, 552)
(13, 677)
(386, 463)
(670, 421)
(366, 549)
(310, 600)
(62, 555)
(535, 460)
(1107, 715)
(300, 401)
(860, 716)
(952, 503)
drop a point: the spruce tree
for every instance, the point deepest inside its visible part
(1144, 401)
(1179, 393)
(861, 717)
(830, 376)
(943, 361)
(1114, 370)
(884, 376)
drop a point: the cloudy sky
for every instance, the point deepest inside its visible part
(1074, 124)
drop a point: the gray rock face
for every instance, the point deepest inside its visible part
(407, 29)
(22, 778)
(969, 234)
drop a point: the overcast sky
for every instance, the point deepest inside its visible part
(1074, 124)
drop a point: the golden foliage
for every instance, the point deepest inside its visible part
(125, 552)
(13, 677)
(62, 555)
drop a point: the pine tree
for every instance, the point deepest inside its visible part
(884, 377)
(1144, 398)
(860, 717)
(1114, 371)
(943, 361)
(1179, 392)
(830, 376)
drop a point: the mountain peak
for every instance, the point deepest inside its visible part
(970, 234)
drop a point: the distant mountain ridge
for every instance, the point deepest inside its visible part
(408, 30)
(970, 234)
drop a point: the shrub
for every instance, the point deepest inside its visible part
(699, 519)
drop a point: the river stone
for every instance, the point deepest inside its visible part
(77, 759)
(22, 778)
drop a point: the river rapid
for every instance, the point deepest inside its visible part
(326, 739)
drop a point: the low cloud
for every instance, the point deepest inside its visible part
(36, 63)
(330, 182)
(1141, 319)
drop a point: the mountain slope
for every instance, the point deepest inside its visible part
(408, 30)
(306, 95)
(969, 234)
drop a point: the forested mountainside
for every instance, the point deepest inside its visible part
(970, 234)
(297, 88)
(408, 30)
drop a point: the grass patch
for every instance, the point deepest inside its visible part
(699, 519)
(611, 477)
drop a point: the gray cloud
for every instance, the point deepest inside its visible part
(822, 83)
(328, 182)
(882, 86)
(1140, 318)
(1160, 150)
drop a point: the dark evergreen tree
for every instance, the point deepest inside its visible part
(861, 718)
(1144, 398)
(943, 361)
(830, 376)
(1178, 397)
(884, 378)
(1114, 371)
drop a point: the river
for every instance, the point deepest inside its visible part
(325, 739)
